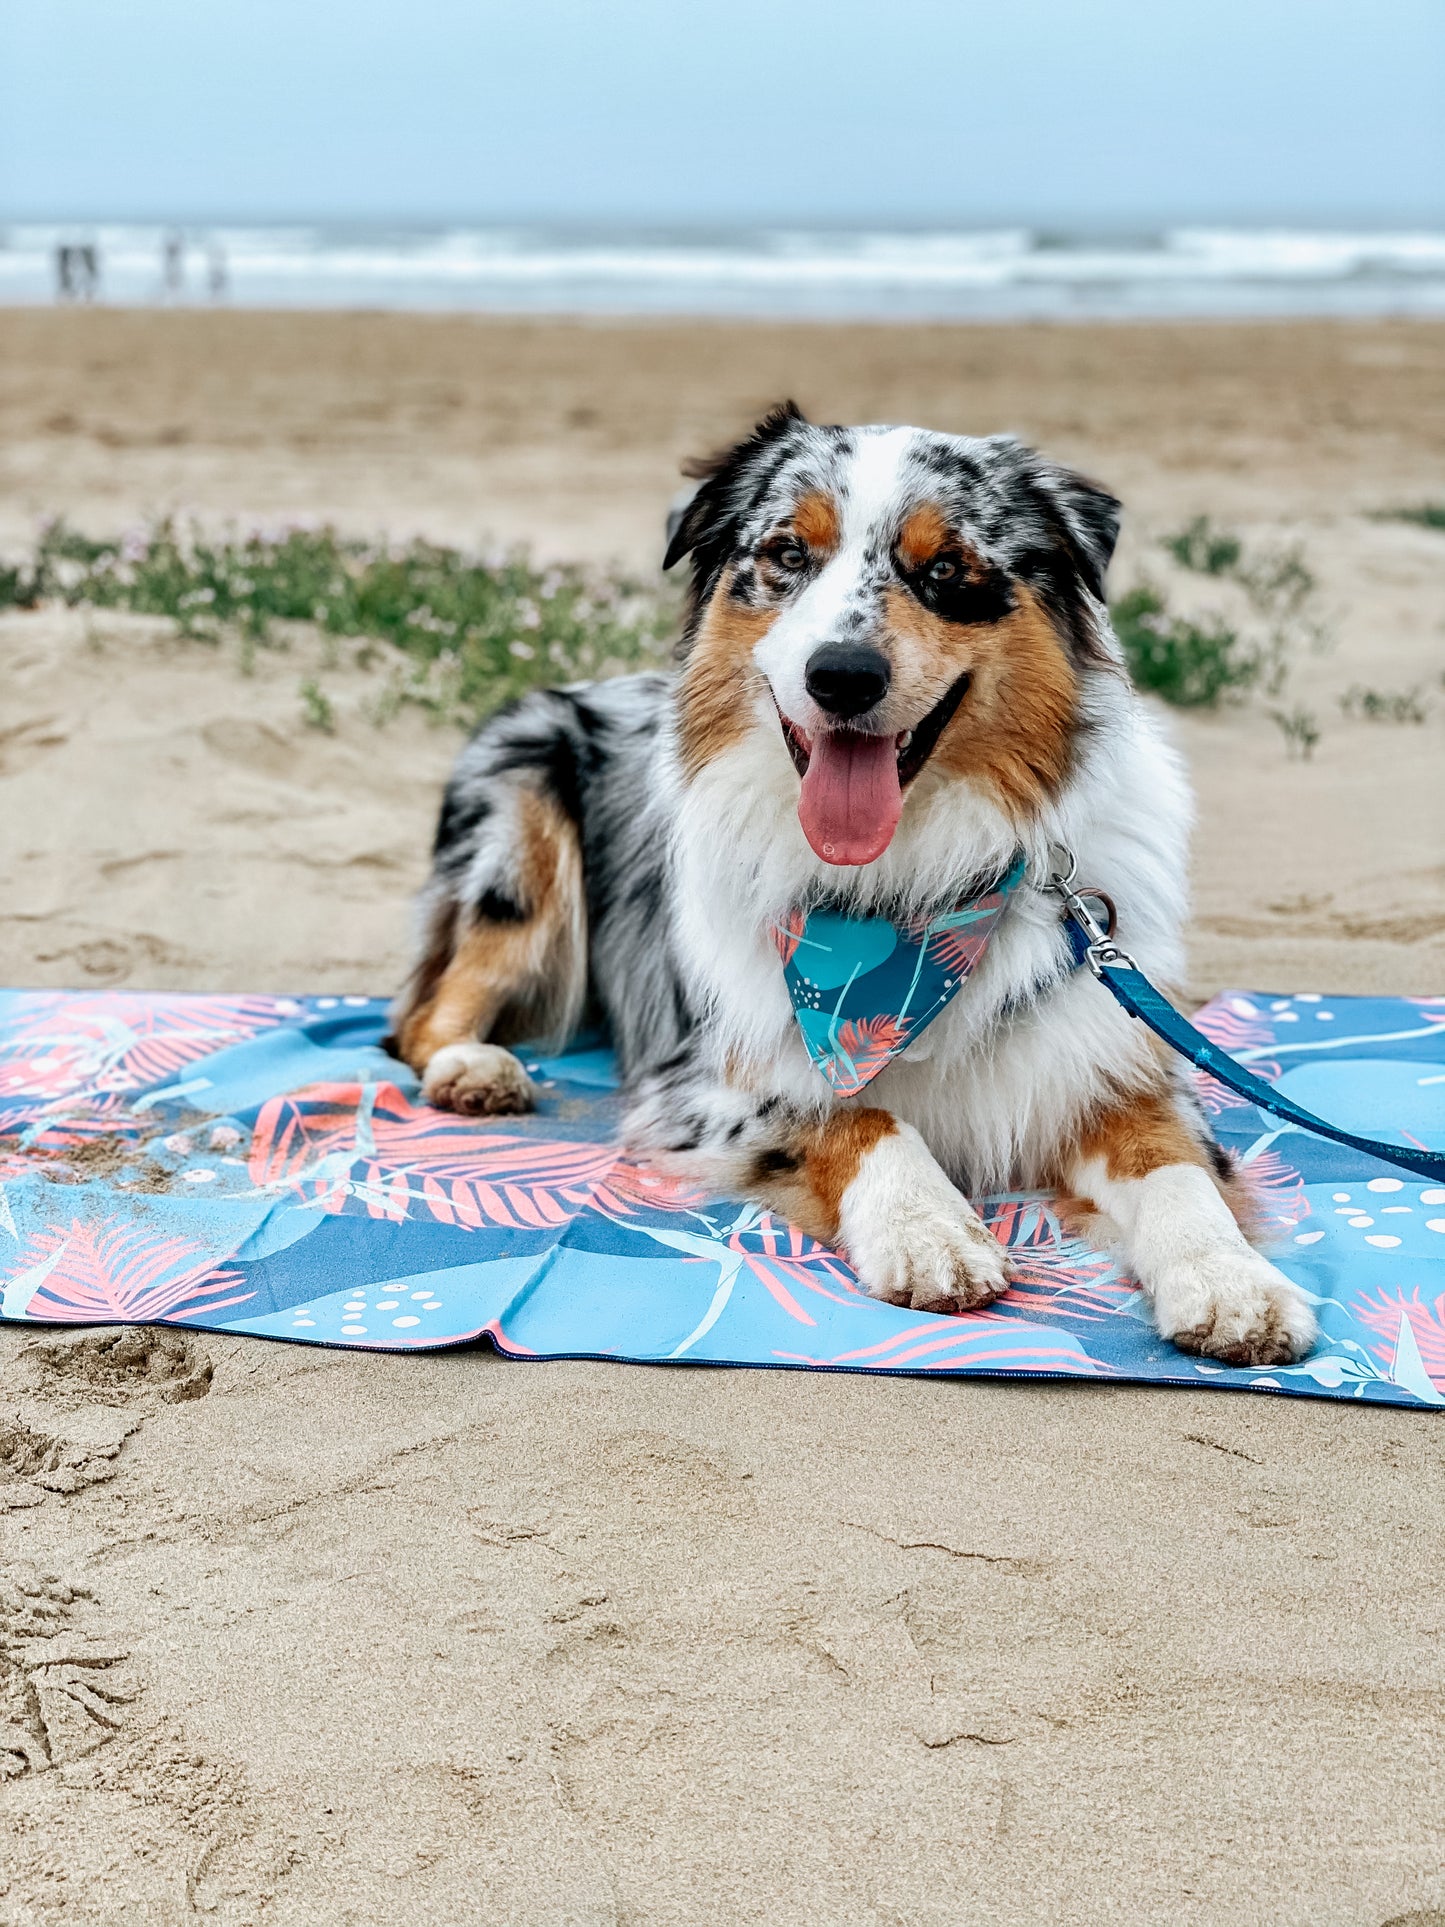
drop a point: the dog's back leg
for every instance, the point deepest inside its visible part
(504, 940)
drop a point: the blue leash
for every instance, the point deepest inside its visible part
(1093, 944)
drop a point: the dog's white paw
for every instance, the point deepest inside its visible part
(912, 1238)
(480, 1080)
(1233, 1305)
(943, 1262)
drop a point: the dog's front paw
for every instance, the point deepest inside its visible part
(480, 1080)
(913, 1239)
(1235, 1306)
(946, 1263)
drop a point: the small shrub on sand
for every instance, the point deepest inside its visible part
(473, 630)
(1278, 586)
(1205, 549)
(1190, 664)
(1300, 730)
(1425, 515)
(316, 707)
(1277, 581)
(1199, 661)
(1385, 705)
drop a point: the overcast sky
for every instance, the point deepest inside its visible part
(1102, 113)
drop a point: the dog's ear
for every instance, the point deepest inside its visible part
(1063, 539)
(1088, 517)
(704, 524)
(681, 503)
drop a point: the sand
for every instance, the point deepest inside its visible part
(292, 1636)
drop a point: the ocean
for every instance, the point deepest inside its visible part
(943, 274)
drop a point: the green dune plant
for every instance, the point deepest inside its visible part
(1204, 549)
(471, 629)
(1385, 705)
(1190, 664)
(1200, 661)
(1300, 729)
(1424, 515)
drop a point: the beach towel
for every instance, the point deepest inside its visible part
(258, 1164)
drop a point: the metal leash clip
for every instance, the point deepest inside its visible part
(1102, 952)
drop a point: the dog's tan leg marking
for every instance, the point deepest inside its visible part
(459, 1072)
(484, 971)
(1178, 1228)
(805, 1176)
(520, 976)
(870, 1183)
(855, 1177)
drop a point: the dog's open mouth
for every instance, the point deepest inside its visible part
(853, 783)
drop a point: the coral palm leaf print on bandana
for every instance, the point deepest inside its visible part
(864, 988)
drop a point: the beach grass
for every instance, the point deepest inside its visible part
(1190, 663)
(1200, 660)
(1200, 546)
(1424, 515)
(1385, 705)
(472, 630)
(1301, 731)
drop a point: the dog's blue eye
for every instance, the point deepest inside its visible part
(791, 557)
(942, 570)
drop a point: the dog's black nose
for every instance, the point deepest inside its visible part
(845, 678)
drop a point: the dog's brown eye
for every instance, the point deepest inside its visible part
(942, 570)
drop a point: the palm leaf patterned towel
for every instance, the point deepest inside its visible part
(259, 1164)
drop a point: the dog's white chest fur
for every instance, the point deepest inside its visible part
(1002, 1076)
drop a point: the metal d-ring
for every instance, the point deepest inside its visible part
(1102, 951)
(1102, 896)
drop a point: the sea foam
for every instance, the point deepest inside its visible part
(779, 272)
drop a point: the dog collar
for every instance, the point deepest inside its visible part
(864, 988)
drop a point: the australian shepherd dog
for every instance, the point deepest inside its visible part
(897, 684)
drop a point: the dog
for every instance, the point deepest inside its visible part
(897, 692)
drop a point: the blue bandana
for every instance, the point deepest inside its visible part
(864, 988)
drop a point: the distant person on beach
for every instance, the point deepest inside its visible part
(217, 277)
(173, 264)
(77, 271)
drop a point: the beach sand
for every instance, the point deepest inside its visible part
(295, 1636)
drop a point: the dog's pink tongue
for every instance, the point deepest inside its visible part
(851, 799)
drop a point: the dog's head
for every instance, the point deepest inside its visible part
(912, 601)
